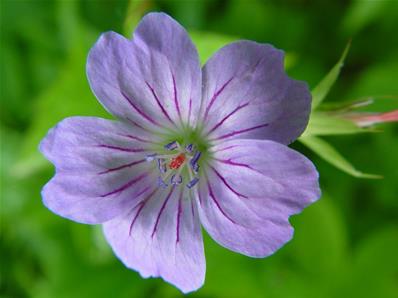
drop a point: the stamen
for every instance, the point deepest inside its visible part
(161, 183)
(151, 157)
(195, 168)
(195, 157)
(194, 162)
(162, 165)
(171, 146)
(176, 179)
(189, 148)
(193, 182)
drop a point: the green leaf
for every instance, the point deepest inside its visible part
(69, 95)
(136, 9)
(208, 43)
(378, 252)
(360, 14)
(321, 124)
(322, 89)
(331, 155)
(223, 276)
(375, 263)
(320, 245)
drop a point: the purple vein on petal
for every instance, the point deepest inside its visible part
(117, 148)
(179, 212)
(226, 117)
(175, 95)
(136, 138)
(131, 164)
(226, 148)
(238, 164)
(126, 185)
(141, 206)
(192, 209)
(233, 163)
(227, 184)
(189, 110)
(234, 133)
(132, 122)
(158, 102)
(161, 211)
(211, 194)
(215, 96)
(142, 113)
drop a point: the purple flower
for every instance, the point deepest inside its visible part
(191, 146)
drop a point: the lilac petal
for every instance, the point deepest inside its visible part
(247, 94)
(100, 169)
(296, 108)
(161, 236)
(154, 79)
(253, 187)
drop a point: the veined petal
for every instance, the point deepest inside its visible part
(252, 188)
(161, 236)
(154, 79)
(247, 94)
(296, 108)
(100, 168)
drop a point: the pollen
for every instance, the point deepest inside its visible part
(177, 161)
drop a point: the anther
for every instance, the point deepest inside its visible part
(189, 148)
(162, 183)
(176, 179)
(195, 157)
(162, 165)
(151, 157)
(171, 146)
(195, 168)
(193, 182)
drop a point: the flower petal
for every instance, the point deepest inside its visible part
(247, 94)
(100, 168)
(161, 236)
(253, 187)
(154, 79)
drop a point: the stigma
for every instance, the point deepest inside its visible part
(177, 162)
(178, 166)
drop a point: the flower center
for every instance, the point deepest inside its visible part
(178, 167)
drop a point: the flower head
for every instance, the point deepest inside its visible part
(190, 146)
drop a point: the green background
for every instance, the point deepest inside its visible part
(345, 245)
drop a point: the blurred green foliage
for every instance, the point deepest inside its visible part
(345, 245)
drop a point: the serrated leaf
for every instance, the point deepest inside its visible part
(331, 155)
(322, 89)
(321, 124)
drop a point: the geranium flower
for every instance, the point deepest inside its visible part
(191, 146)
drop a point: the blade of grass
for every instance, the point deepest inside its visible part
(332, 156)
(322, 89)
